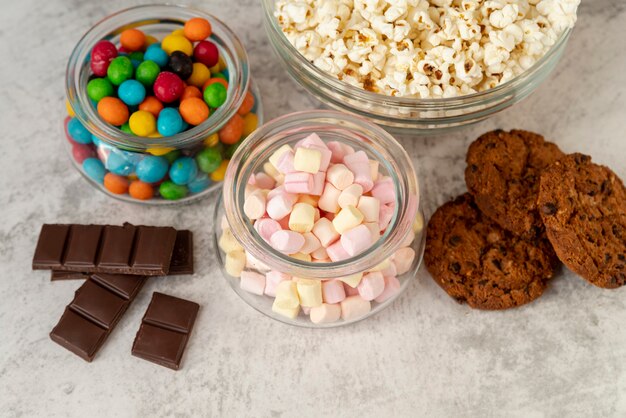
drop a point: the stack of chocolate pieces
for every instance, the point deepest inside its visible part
(115, 262)
(529, 205)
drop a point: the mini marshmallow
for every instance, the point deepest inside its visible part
(350, 291)
(287, 294)
(390, 270)
(299, 183)
(305, 310)
(338, 150)
(374, 170)
(270, 170)
(250, 188)
(392, 286)
(418, 223)
(356, 240)
(274, 158)
(280, 206)
(252, 282)
(325, 232)
(371, 286)
(264, 181)
(325, 313)
(311, 243)
(318, 183)
(354, 307)
(277, 191)
(272, 279)
(280, 179)
(352, 280)
(384, 216)
(280, 308)
(347, 218)
(307, 160)
(302, 218)
(301, 256)
(317, 215)
(339, 176)
(359, 164)
(336, 252)
(311, 139)
(320, 253)
(383, 265)
(370, 208)
(310, 199)
(254, 263)
(310, 292)
(288, 242)
(234, 263)
(384, 191)
(374, 230)
(350, 196)
(403, 259)
(266, 227)
(408, 240)
(254, 205)
(228, 242)
(329, 200)
(333, 291)
(286, 163)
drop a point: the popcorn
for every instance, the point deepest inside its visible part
(424, 48)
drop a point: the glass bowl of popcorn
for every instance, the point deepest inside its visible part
(319, 256)
(421, 65)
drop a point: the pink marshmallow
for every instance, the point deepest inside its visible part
(320, 254)
(336, 252)
(280, 206)
(333, 291)
(264, 181)
(311, 243)
(329, 200)
(325, 313)
(350, 291)
(390, 270)
(325, 232)
(359, 164)
(266, 227)
(392, 286)
(339, 150)
(354, 307)
(305, 310)
(272, 278)
(287, 242)
(319, 179)
(252, 282)
(371, 285)
(312, 139)
(285, 163)
(403, 260)
(385, 215)
(356, 240)
(299, 183)
(384, 191)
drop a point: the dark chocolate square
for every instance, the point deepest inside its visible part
(153, 248)
(79, 335)
(171, 312)
(124, 285)
(82, 246)
(50, 246)
(159, 345)
(117, 246)
(182, 258)
(99, 304)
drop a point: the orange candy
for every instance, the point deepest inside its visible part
(246, 105)
(141, 190)
(133, 39)
(232, 131)
(197, 29)
(191, 91)
(113, 111)
(214, 80)
(193, 110)
(115, 184)
(151, 104)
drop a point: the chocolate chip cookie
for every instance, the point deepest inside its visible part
(503, 171)
(583, 206)
(476, 261)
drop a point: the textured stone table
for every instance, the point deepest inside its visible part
(563, 355)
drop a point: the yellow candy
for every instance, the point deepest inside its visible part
(228, 243)
(132, 177)
(250, 122)
(352, 280)
(348, 218)
(70, 111)
(142, 123)
(215, 69)
(218, 175)
(302, 218)
(212, 140)
(287, 294)
(222, 63)
(178, 32)
(310, 292)
(173, 43)
(157, 151)
(199, 75)
(280, 308)
(234, 263)
(156, 134)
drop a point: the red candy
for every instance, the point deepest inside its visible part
(168, 87)
(81, 152)
(101, 55)
(206, 52)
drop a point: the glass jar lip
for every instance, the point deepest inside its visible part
(122, 19)
(405, 183)
(355, 92)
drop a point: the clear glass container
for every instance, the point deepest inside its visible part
(157, 21)
(408, 115)
(406, 223)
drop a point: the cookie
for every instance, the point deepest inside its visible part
(583, 207)
(476, 261)
(503, 172)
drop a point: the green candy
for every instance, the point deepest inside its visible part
(147, 72)
(172, 156)
(215, 95)
(220, 75)
(136, 55)
(98, 88)
(126, 129)
(171, 191)
(209, 159)
(120, 70)
(228, 154)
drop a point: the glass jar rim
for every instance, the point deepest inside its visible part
(255, 150)
(134, 17)
(446, 103)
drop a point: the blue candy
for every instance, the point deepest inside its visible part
(131, 92)
(200, 183)
(95, 140)
(118, 163)
(155, 53)
(184, 170)
(94, 168)
(152, 169)
(169, 122)
(78, 132)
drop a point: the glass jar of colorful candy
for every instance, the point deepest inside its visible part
(158, 100)
(319, 222)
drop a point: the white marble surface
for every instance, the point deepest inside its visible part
(560, 356)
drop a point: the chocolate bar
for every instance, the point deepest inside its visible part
(165, 330)
(181, 262)
(128, 249)
(96, 309)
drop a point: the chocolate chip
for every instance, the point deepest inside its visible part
(548, 209)
(490, 145)
(497, 263)
(621, 257)
(473, 168)
(581, 158)
(607, 257)
(455, 268)
(454, 240)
